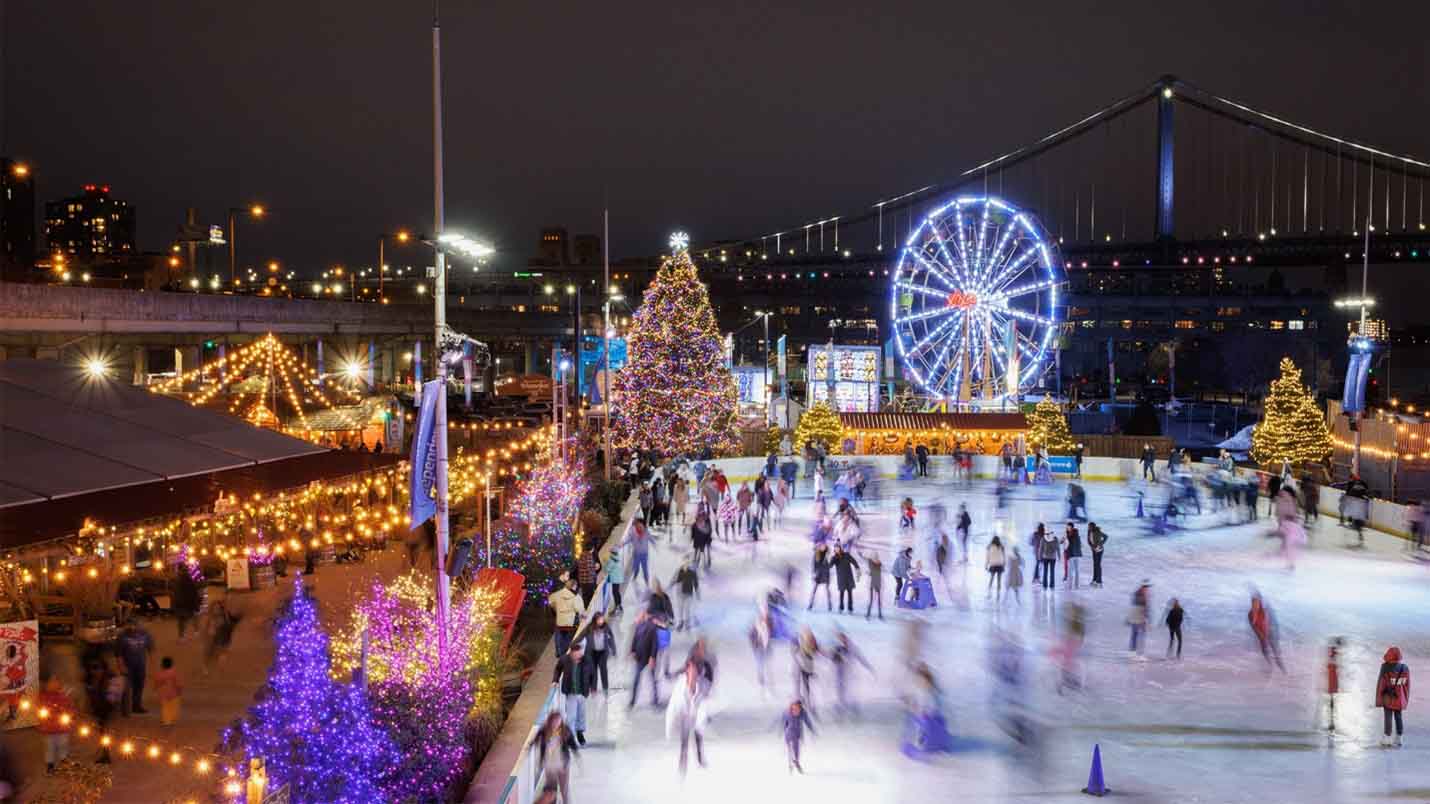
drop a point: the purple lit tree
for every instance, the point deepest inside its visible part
(312, 733)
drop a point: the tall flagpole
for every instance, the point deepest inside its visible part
(439, 299)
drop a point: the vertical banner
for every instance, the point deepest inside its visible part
(729, 350)
(1111, 373)
(422, 461)
(320, 362)
(467, 373)
(782, 369)
(1353, 397)
(417, 372)
(222, 363)
(20, 662)
(1010, 348)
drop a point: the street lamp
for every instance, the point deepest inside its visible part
(255, 211)
(401, 236)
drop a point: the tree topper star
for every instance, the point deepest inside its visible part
(679, 241)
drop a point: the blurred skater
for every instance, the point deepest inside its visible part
(793, 724)
(1392, 694)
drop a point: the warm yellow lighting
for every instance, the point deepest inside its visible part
(257, 211)
(22, 170)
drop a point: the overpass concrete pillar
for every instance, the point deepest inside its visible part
(186, 359)
(387, 368)
(528, 365)
(140, 359)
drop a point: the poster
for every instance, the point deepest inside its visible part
(20, 654)
(237, 575)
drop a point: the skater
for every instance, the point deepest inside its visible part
(876, 583)
(922, 453)
(1175, 614)
(1263, 627)
(1392, 694)
(1035, 547)
(1149, 461)
(681, 496)
(846, 573)
(639, 538)
(902, 564)
(1333, 680)
(702, 535)
(744, 498)
(587, 568)
(1049, 555)
(569, 610)
(600, 646)
(556, 747)
(907, 515)
(1068, 648)
(687, 589)
(761, 636)
(795, 721)
(686, 714)
(843, 656)
(135, 645)
(615, 576)
(805, 649)
(575, 677)
(1096, 541)
(1138, 615)
(994, 563)
(965, 522)
(728, 514)
(820, 577)
(1074, 554)
(1014, 572)
(645, 647)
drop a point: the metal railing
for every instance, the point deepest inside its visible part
(524, 783)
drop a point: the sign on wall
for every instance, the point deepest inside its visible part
(19, 671)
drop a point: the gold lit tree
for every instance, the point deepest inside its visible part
(819, 424)
(1048, 428)
(1292, 429)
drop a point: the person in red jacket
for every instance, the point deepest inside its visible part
(1333, 678)
(1392, 694)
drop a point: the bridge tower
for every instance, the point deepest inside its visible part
(1165, 174)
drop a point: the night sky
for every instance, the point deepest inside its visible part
(731, 119)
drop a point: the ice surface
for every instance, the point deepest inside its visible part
(1216, 726)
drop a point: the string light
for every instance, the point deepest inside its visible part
(1292, 428)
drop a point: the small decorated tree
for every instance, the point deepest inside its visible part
(312, 733)
(675, 393)
(1292, 429)
(1048, 428)
(821, 425)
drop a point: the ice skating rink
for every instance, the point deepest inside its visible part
(1216, 726)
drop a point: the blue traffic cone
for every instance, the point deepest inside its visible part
(1095, 786)
(1139, 506)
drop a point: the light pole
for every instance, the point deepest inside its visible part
(254, 211)
(1360, 332)
(401, 237)
(439, 303)
(606, 345)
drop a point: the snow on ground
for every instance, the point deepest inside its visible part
(1216, 726)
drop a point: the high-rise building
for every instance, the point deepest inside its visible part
(17, 219)
(554, 249)
(90, 225)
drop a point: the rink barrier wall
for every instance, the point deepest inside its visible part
(985, 467)
(524, 781)
(1385, 516)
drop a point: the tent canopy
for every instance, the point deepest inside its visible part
(64, 432)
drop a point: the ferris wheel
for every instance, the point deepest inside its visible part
(974, 301)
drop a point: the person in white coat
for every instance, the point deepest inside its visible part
(685, 714)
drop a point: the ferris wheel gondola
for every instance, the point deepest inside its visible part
(974, 302)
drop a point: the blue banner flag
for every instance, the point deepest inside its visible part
(423, 460)
(1353, 398)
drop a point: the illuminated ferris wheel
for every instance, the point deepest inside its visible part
(974, 301)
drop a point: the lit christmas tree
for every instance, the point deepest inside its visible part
(819, 424)
(676, 395)
(1048, 428)
(1292, 429)
(312, 733)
